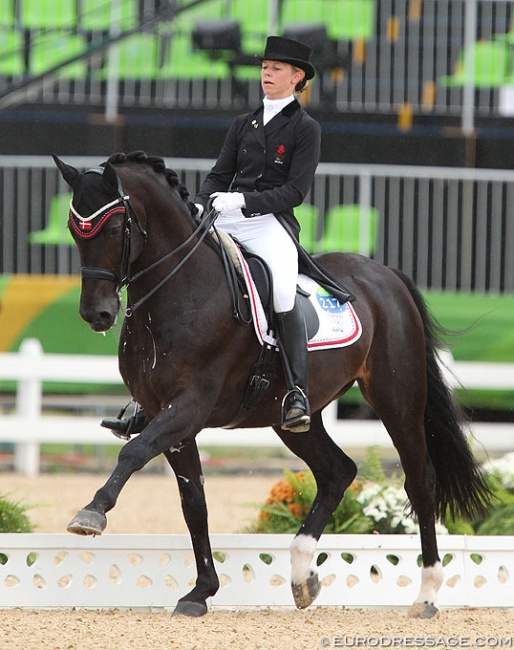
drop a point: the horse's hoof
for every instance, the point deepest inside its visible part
(190, 608)
(424, 610)
(306, 592)
(87, 522)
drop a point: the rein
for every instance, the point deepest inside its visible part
(201, 231)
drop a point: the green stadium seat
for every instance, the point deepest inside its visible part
(7, 13)
(349, 20)
(138, 57)
(47, 14)
(255, 27)
(12, 61)
(184, 62)
(300, 11)
(56, 232)
(343, 226)
(96, 15)
(208, 10)
(491, 66)
(52, 48)
(307, 216)
(255, 24)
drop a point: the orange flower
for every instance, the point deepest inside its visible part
(295, 509)
(281, 491)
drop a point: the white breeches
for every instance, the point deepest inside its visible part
(266, 237)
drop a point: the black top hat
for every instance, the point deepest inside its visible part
(287, 50)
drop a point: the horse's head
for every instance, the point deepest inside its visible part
(99, 221)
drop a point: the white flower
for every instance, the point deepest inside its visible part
(390, 503)
(503, 468)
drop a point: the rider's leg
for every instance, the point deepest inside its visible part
(292, 339)
(270, 240)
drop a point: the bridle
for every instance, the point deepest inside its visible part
(123, 278)
(121, 205)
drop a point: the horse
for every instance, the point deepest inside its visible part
(186, 359)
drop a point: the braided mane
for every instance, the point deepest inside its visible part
(158, 165)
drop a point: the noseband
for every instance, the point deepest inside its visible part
(123, 278)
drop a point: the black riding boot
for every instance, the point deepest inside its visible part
(124, 427)
(292, 337)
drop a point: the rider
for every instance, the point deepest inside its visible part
(264, 170)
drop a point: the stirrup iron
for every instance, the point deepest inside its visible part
(295, 417)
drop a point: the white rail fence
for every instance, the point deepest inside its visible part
(28, 426)
(154, 571)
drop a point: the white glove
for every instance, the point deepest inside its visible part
(199, 207)
(226, 202)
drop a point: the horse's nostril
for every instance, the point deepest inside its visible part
(105, 316)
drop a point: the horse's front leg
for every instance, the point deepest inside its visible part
(185, 462)
(164, 431)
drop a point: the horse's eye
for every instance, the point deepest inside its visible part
(113, 231)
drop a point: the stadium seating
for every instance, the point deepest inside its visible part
(491, 66)
(137, 57)
(182, 61)
(12, 63)
(344, 19)
(7, 14)
(47, 14)
(96, 16)
(48, 50)
(307, 216)
(346, 229)
(56, 232)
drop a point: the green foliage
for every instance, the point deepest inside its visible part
(377, 503)
(13, 517)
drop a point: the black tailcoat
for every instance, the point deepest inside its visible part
(273, 166)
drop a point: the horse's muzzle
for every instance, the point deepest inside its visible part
(101, 312)
(99, 321)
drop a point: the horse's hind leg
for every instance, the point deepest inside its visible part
(399, 402)
(333, 471)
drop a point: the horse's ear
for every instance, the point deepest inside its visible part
(69, 173)
(110, 177)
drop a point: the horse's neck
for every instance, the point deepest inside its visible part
(185, 277)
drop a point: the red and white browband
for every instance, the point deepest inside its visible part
(87, 227)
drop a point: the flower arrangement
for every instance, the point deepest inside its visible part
(376, 503)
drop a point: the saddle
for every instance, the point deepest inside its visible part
(263, 281)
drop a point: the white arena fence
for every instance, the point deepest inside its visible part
(28, 427)
(154, 571)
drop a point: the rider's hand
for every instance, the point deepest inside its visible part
(226, 202)
(199, 207)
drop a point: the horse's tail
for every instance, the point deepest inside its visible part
(461, 488)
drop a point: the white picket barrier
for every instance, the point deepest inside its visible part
(154, 571)
(28, 427)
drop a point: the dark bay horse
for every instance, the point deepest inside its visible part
(186, 360)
